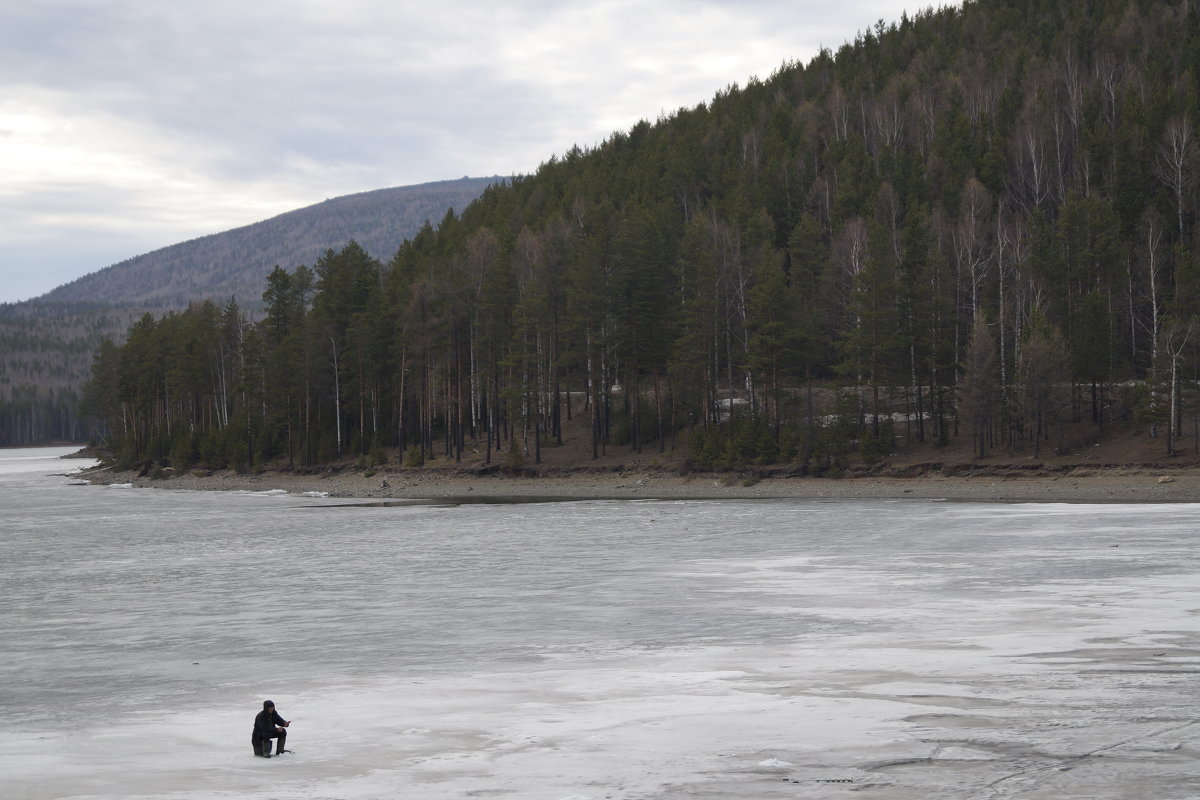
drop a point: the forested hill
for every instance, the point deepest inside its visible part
(975, 224)
(235, 263)
(46, 344)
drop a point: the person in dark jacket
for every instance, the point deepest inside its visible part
(268, 725)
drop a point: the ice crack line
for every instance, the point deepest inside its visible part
(994, 789)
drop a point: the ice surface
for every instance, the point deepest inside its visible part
(592, 649)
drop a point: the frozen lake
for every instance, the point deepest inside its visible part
(571, 650)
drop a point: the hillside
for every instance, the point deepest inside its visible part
(47, 344)
(971, 228)
(235, 263)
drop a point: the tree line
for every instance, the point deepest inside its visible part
(975, 222)
(46, 354)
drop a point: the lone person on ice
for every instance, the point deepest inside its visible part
(268, 725)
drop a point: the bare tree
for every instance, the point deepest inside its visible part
(850, 248)
(1010, 240)
(839, 112)
(1175, 164)
(1029, 174)
(1152, 234)
(973, 246)
(1175, 340)
(1110, 72)
(888, 114)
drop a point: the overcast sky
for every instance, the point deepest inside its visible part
(126, 126)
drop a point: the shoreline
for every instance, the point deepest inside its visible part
(1124, 485)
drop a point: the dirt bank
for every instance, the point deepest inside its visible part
(1086, 483)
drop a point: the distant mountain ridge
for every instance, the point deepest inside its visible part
(235, 263)
(47, 343)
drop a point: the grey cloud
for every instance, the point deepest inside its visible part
(302, 101)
